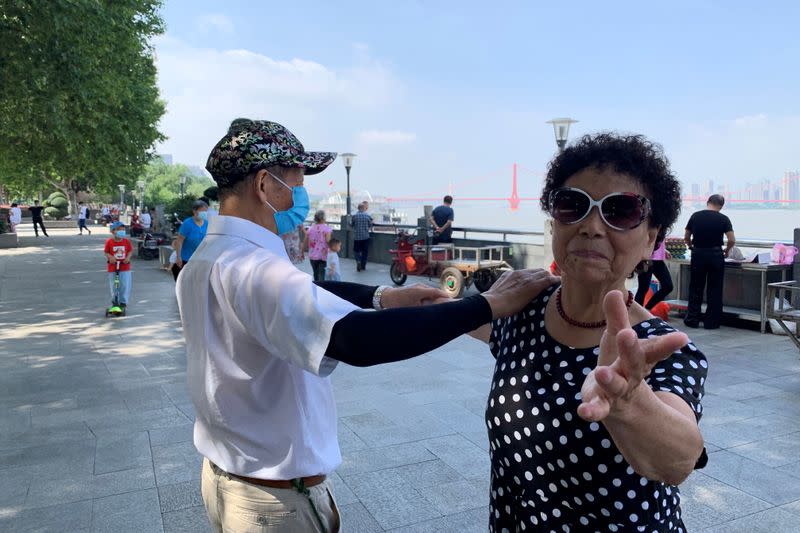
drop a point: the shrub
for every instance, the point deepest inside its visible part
(3, 225)
(56, 206)
(54, 213)
(59, 202)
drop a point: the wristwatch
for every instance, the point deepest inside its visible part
(376, 297)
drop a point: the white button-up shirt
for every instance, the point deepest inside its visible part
(256, 332)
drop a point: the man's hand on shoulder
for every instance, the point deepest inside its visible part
(515, 289)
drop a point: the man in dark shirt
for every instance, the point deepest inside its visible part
(442, 221)
(703, 236)
(36, 214)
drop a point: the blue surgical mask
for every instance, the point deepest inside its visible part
(203, 215)
(287, 221)
(121, 233)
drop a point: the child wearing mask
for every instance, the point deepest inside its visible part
(119, 248)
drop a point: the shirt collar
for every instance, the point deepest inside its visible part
(250, 231)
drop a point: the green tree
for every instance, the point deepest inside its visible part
(79, 105)
(163, 182)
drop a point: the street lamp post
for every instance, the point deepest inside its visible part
(121, 197)
(183, 184)
(348, 158)
(561, 130)
(140, 184)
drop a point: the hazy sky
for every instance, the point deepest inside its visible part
(431, 92)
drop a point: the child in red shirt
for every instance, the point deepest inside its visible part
(118, 248)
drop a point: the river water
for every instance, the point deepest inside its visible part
(751, 224)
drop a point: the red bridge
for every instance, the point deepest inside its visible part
(515, 200)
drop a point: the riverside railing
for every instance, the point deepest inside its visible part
(465, 232)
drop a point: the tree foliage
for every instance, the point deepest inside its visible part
(163, 182)
(79, 105)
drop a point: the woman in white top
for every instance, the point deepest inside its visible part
(15, 217)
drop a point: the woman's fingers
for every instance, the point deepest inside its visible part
(611, 382)
(594, 410)
(659, 348)
(616, 312)
(601, 389)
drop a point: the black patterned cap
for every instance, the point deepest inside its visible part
(251, 145)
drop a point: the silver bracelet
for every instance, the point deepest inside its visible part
(376, 297)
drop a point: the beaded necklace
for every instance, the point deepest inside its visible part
(577, 323)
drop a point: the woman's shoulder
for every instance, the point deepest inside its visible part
(535, 307)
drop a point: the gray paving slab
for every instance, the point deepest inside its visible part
(189, 520)
(56, 518)
(180, 496)
(775, 520)
(96, 420)
(342, 492)
(471, 521)
(355, 517)
(774, 452)
(771, 485)
(114, 453)
(403, 508)
(706, 502)
(130, 512)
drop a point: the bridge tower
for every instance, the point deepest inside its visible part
(513, 201)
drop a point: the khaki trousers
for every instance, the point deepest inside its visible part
(236, 506)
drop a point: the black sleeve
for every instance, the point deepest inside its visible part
(355, 293)
(728, 225)
(365, 338)
(689, 224)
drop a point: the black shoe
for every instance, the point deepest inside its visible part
(358, 268)
(691, 324)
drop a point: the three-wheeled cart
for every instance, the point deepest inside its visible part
(457, 267)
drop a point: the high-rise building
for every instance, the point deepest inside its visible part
(791, 186)
(709, 187)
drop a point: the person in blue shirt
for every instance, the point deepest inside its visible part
(191, 233)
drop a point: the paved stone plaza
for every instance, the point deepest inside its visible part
(96, 422)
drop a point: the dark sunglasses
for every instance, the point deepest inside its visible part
(619, 210)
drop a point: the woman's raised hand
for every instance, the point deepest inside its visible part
(624, 362)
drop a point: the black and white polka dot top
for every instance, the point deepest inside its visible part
(553, 471)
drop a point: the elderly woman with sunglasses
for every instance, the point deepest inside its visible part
(594, 403)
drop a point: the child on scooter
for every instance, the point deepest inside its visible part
(119, 248)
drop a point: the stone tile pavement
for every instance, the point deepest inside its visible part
(96, 422)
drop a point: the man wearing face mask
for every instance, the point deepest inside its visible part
(262, 338)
